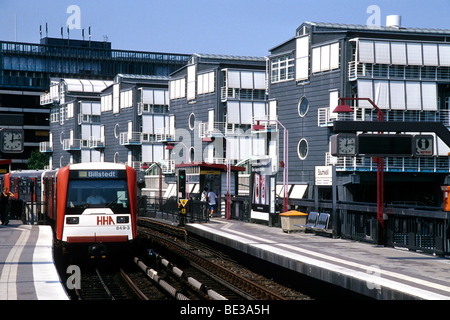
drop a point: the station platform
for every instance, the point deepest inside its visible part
(27, 269)
(378, 272)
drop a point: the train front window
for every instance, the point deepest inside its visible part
(82, 194)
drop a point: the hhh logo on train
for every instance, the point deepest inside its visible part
(102, 221)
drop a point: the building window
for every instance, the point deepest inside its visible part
(282, 68)
(303, 106)
(302, 149)
(191, 121)
(191, 154)
(116, 131)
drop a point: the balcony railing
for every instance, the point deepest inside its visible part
(167, 166)
(326, 117)
(130, 138)
(208, 129)
(164, 134)
(391, 164)
(96, 142)
(45, 146)
(72, 144)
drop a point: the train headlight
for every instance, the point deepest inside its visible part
(72, 220)
(123, 219)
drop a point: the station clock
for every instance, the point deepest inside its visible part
(344, 144)
(12, 140)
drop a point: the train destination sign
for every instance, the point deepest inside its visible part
(98, 174)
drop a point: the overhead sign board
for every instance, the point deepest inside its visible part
(382, 145)
(385, 145)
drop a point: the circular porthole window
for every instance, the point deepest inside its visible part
(116, 131)
(303, 106)
(191, 154)
(191, 121)
(302, 149)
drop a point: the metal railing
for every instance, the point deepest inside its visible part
(392, 164)
(72, 144)
(130, 138)
(168, 209)
(45, 146)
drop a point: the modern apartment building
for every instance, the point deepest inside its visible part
(404, 71)
(121, 121)
(26, 70)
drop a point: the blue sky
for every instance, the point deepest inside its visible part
(235, 27)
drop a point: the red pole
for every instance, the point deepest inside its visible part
(380, 174)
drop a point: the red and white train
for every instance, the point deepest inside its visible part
(88, 203)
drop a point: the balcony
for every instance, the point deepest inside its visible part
(242, 94)
(88, 118)
(391, 164)
(96, 142)
(49, 97)
(326, 117)
(164, 135)
(45, 147)
(131, 138)
(72, 144)
(167, 166)
(220, 129)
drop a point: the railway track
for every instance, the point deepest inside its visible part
(240, 287)
(97, 284)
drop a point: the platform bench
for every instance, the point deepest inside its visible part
(322, 224)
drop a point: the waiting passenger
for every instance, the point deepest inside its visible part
(95, 198)
(5, 205)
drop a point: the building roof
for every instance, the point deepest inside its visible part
(84, 85)
(342, 26)
(228, 57)
(142, 77)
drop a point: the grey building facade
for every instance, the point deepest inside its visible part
(405, 71)
(120, 121)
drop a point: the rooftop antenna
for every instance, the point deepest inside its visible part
(15, 27)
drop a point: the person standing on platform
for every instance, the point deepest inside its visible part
(4, 205)
(204, 200)
(212, 202)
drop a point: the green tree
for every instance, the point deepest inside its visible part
(37, 161)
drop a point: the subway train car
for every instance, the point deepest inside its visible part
(90, 205)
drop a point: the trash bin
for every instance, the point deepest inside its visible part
(446, 191)
(292, 220)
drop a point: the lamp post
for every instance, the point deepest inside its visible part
(380, 162)
(258, 126)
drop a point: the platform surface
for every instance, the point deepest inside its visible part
(27, 270)
(378, 272)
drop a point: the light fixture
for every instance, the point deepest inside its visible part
(258, 126)
(169, 147)
(342, 108)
